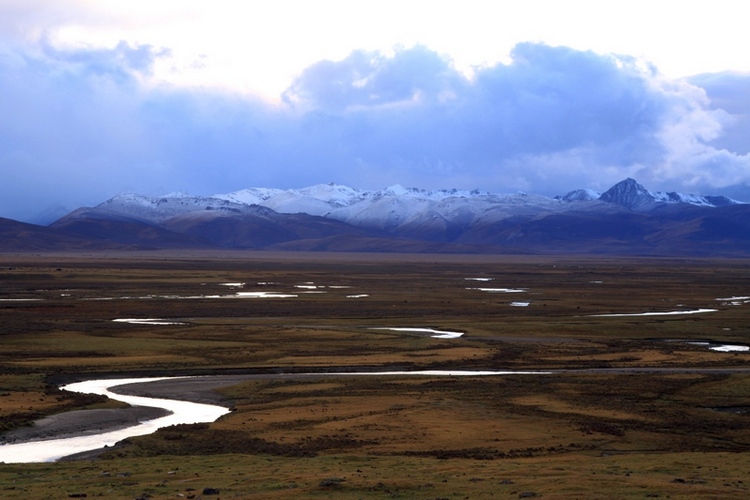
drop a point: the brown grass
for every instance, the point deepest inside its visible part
(571, 435)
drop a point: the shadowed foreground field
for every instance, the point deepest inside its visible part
(603, 424)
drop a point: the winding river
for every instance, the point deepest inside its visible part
(180, 412)
(185, 412)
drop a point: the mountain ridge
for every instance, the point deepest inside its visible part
(625, 219)
(351, 204)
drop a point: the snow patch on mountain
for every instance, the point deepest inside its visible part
(396, 208)
(580, 195)
(159, 209)
(634, 196)
(331, 193)
(249, 196)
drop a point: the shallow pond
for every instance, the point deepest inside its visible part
(723, 347)
(437, 334)
(654, 313)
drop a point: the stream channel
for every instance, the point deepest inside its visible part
(176, 411)
(180, 411)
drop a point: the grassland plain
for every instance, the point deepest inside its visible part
(632, 409)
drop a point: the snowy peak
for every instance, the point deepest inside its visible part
(159, 209)
(694, 199)
(426, 194)
(721, 201)
(394, 206)
(249, 196)
(397, 218)
(580, 195)
(628, 193)
(331, 193)
(397, 190)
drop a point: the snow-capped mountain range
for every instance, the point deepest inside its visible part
(395, 206)
(627, 218)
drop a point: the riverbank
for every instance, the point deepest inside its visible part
(86, 433)
(202, 390)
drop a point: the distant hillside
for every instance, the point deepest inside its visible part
(625, 219)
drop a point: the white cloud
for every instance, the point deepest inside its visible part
(84, 124)
(261, 46)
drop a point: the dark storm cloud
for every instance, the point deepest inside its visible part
(557, 99)
(78, 126)
(68, 125)
(553, 114)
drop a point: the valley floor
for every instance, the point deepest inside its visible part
(633, 406)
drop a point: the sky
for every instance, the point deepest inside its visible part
(101, 97)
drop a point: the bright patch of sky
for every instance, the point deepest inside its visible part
(262, 46)
(99, 97)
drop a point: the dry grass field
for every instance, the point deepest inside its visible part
(630, 407)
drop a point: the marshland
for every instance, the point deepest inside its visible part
(613, 377)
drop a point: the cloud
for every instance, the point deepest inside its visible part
(551, 117)
(80, 125)
(71, 126)
(372, 79)
(728, 92)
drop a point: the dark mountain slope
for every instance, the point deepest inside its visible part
(629, 194)
(573, 232)
(261, 230)
(21, 237)
(127, 232)
(625, 220)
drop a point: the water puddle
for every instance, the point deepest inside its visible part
(262, 295)
(723, 347)
(653, 313)
(711, 345)
(520, 304)
(736, 410)
(147, 321)
(500, 290)
(730, 348)
(306, 288)
(436, 334)
(238, 295)
(734, 301)
(444, 373)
